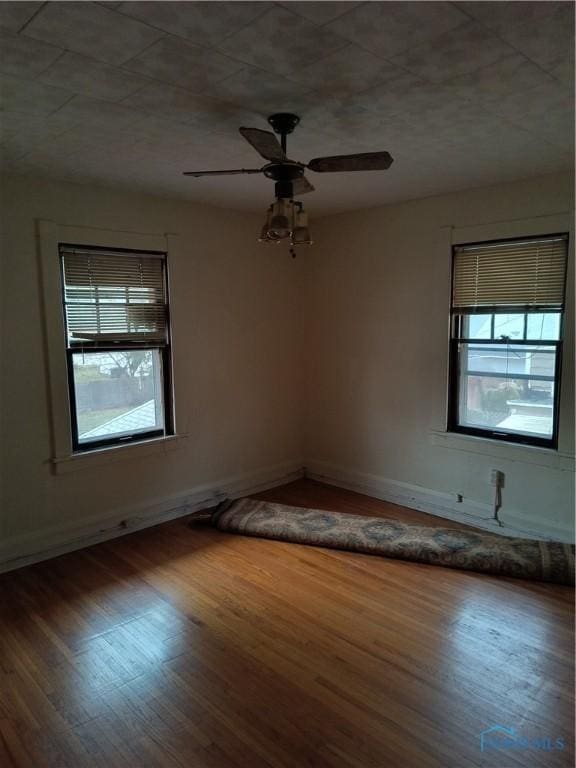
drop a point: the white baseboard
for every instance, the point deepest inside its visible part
(60, 539)
(67, 537)
(435, 503)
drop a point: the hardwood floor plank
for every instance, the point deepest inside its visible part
(179, 647)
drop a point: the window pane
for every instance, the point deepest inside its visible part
(510, 359)
(477, 326)
(510, 389)
(510, 326)
(117, 394)
(543, 326)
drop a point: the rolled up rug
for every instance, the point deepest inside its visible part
(470, 550)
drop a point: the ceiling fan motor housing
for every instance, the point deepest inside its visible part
(284, 174)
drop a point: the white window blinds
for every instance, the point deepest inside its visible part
(114, 296)
(523, 275)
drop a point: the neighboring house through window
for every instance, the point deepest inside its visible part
(506, 339)
(117, 345)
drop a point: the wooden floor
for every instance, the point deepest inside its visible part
(194, 648)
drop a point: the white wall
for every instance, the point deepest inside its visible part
(377, 286)
(336, 360)
(237, 310)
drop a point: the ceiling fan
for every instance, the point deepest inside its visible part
(285, 217)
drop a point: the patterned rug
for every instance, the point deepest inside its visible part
(453, 548)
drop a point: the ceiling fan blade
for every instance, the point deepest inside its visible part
(301, 186)
(222, 173)
(366, 161)
(264, 142)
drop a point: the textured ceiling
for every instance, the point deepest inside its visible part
(130, 94)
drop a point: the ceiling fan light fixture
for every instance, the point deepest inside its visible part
(301, 236)
(300, 231)
(265, 227)
(264, 238)
(281, 218)
(286, 219)
(266, 234)
(279, 228)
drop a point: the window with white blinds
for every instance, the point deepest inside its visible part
(506, 339)
(521, 275)
(117, 345)
(114, 296)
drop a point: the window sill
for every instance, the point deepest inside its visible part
(115, 453)
(528, 454)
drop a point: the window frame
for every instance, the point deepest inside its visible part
(60, 458)
(117, 346)
(456, 340)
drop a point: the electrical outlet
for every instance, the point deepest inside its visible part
(497, 478)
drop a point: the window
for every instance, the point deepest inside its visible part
(117, 345)
(506, 339)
